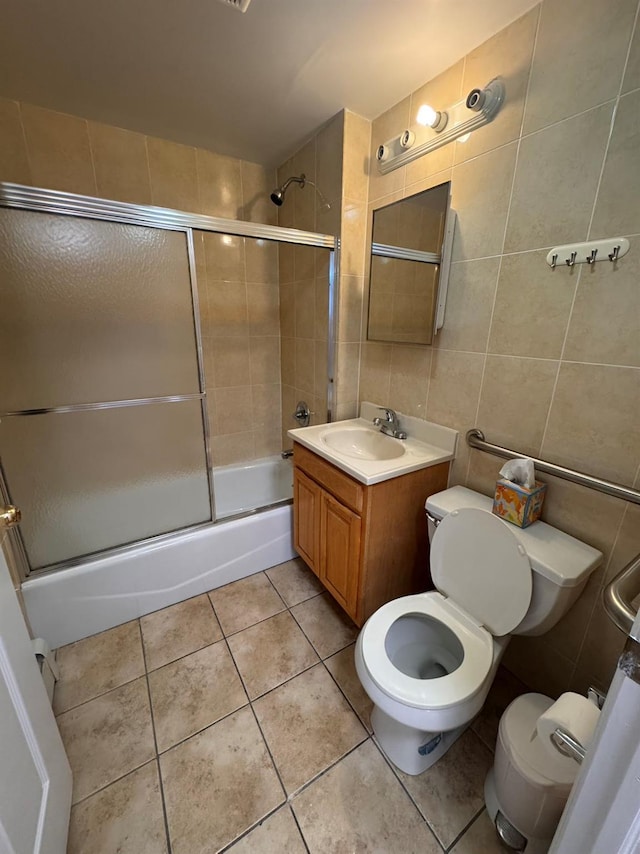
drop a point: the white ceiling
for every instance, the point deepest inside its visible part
(253, 85)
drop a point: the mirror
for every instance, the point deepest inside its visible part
(410, 255)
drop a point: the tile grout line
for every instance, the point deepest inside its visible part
(297, 823)
(253, 712)
(203, 729)
(112, 782)
(98, 696)
(395, 773)
(342, 691)
(331, 654)
(24, 140)
(304, 786)
(155, 741)
(250, 829)
(614, 113)
(465, 829)
(146, 671)
(91, 156)
(268, 749)
(506, 225)
(290, 797)
(515, 252)
(598, 597)
(579, 276)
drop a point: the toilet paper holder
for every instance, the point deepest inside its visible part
(567, 745)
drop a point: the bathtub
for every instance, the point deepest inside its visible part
(240, 488)
(69, 604)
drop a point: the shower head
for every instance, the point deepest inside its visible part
(277, 197)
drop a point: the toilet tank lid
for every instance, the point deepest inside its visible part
(557, 556)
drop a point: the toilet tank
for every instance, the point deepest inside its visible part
(561, 564)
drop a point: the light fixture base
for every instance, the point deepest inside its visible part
(478, 109)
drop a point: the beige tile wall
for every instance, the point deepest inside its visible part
(354, 230)
(239, 312)
(546, 362)
(304, 273)
(237, 278)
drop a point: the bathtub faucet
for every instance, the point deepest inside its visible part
(390, 424)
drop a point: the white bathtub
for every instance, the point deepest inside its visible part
(69, 604)
(240, 488)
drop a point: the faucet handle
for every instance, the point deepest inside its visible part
(389, 413)
(303, 414)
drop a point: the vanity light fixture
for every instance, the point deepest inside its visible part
(435, 128)
(428, 117)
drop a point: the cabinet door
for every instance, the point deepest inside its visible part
(339, 551)
(306, 519)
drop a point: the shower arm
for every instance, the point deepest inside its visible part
(277, 197)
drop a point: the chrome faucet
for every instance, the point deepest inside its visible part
(389, 424)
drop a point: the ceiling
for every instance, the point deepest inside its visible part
(253, 85)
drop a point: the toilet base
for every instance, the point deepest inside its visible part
(411, 750)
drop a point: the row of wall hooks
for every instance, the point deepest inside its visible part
(611, 249)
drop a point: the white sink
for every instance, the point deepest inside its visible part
(359, 448)
(361, 443)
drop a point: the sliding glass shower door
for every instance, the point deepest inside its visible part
(102, 437)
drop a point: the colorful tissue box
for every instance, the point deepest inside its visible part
(517, 504)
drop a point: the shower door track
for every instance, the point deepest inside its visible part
(58, 202)
(55, 201)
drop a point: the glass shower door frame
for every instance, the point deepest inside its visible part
(70, 204)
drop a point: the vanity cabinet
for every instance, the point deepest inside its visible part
(366, 544)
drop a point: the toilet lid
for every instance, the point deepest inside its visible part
(478, 562)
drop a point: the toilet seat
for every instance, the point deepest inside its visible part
(485, 575)
(479, 563)
(441, 692)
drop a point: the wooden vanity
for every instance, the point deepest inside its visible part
(367, 544)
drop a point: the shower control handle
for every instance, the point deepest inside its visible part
(9, 516)
(303, 414)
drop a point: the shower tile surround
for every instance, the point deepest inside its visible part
(258, 740)
(304, 295)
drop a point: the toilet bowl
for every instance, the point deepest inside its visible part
(427, 661)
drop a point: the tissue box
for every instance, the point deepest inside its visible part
(517, 504)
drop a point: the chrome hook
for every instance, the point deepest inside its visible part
(591, 258)
(613, 256)
(570, 262)
(554, 259)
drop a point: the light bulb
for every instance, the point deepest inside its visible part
(464, 137)
(428, 116)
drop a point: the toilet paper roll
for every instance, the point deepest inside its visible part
(573, 713)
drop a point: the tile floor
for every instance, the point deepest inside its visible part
(236, 721)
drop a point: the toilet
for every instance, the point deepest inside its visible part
(427, 661)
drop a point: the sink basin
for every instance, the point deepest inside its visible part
(363, 444)
(360, 450)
